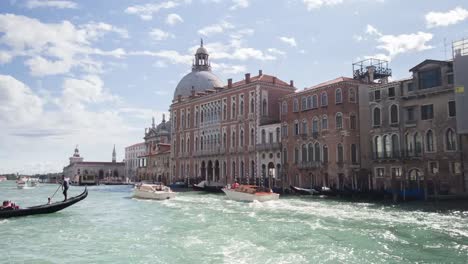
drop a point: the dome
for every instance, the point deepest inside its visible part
(202, 50)
(199, 80)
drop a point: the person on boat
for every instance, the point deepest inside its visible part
(65, 186)
(235, 185)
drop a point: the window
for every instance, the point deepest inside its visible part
(429, 79)
(309, 102)
(339, 121)
(391, 92)
(296, 155)
(284, 131)
(314, 101)
(304, 127)
(352, 121)
(252, 103)
(378, 148)
(417, 144)
(296, 128)
(317, 152)
(410, 114)
(284, 108)
(396, 172)
(324, 100)
(241, 141)
(433, 167)
(393, 114)
(310, 149)
(303, 104)
(340, 153)
(270, 137)
(285, 156)
(427, 112)
(338, 96)
(352, 95)
(410, 87)
(264, 107)
(379, 172)
(315, 125)
(304, 153)
(295, 105)
(325, 154)
(450, 140)
(241, 106)
(377, 95)
(409, 144)
(354, 154)
(395, 146)
(450, 79)
(324, 122)
(263, 136)
(451, 109)
(376, 117)
(429, 141)
(387, 146)
(277, 135)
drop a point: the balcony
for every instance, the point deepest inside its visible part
(268, 146)
(309, 165)
(265, 120)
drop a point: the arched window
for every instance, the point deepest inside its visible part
(295, 105)
(197, 116)
(183, 146)
(352, 121)
(314, 101)
(310, 147)
(241, 107)
(303, 104)
(233, 113)
(263, 136)
(352, 95)
(309, 102)
(284, 108)
(324, 122)
(285, 156)
(196, 144)
(296, 155)
(241, 142)
(252, 137)
(224, 111)
(409, 144)
(450, 140)
(429, 141)
(417, 144)
(277, 135)
(264, 107)
(376, 117)
(304, 127)
(224, 139)
(340, 153)
(304, 153)
(317, 152)
(252, 106)
(325, 153)
(338, 96)
(395, 146)
(233, 169)
(315, 126)
(324, 99)
(201, 142)
(188, 145)
(354, 159)
(387, 146)
(378, 148)
(394, 114)
(339, 120)
(233, 143)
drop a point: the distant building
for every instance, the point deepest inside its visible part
(93, 172)
(132, 154)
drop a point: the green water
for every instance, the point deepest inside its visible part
(111, 227)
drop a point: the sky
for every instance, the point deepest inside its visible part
(93, 73)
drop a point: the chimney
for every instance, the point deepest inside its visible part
(247, 78)
(274, 80)
(230, 83)
(291, 83)
(260, 72)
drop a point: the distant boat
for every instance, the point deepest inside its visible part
(304, 191)
(250, 193)
(43, 209)
(153, 191)
(209, 186)
(27, 183)
(3, 178)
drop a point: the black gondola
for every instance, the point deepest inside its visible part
(208, 186)
(44, 209)
(304, 191)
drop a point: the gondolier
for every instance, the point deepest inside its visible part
(65, 185)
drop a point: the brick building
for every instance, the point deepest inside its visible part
(215, 126)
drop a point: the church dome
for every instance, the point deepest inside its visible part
(201, 78)
(199, 81)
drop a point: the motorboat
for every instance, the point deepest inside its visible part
(209, 186)
(250, 193)
(153, 191)
(3, 178)
(304, 191)
(42, 209)
(27, 183)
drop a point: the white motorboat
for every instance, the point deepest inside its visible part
(26, 183)
(153, 191)
(3, 178)
(250, 193)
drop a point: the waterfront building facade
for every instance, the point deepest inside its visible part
(215, 126)
(132, 154)
(268, 150)
(321, 136)
(94, 172)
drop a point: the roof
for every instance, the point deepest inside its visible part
(428, 61)
(137, 144)
(197, 81)
(261, 78)
(330, 82)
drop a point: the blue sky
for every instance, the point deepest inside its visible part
(93, 73)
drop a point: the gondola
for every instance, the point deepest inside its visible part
(43, 209)
(304, 191)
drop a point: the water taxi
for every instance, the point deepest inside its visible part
(250, 193)
(153, 191)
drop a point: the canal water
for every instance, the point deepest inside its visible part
(111, 227)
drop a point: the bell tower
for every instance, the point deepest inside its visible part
(114, 156)
(201, 61)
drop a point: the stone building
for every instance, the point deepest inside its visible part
(269, 154)
(413, 133)
(215, 126)
(132, 154)
(321, 136)
(94, 172)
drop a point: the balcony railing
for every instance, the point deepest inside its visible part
(268, 146)
(309, 165)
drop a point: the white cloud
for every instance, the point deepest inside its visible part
(88, 89)
(171, 56)
(290, 41)
(228, 68)
(173, 19)
(54, 48)
(371, 30)
(157, 34)
(215, 28)
(315, 4)
(239, 4)
(441, 19)
(62, 4)
(276, 51)
(147, 11)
